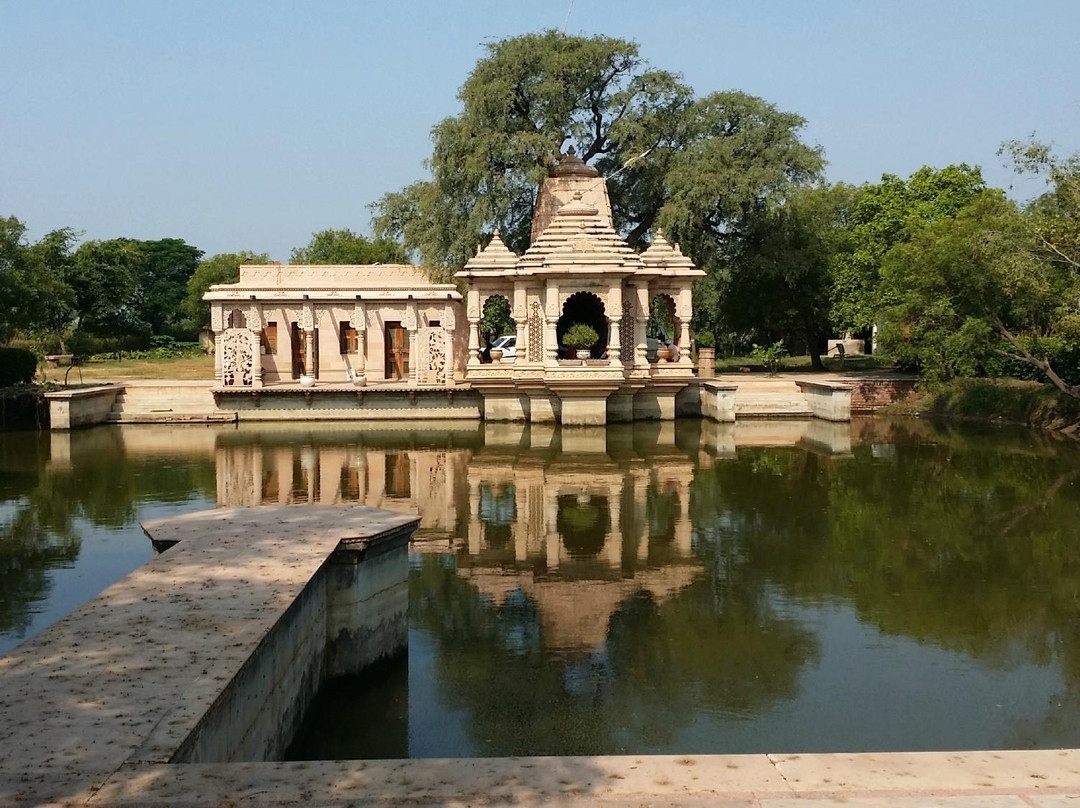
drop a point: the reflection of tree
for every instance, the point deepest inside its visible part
(706, 648)
(27, 551)
(954, 542)
(101, 484)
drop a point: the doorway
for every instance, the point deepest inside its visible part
(300, 339)
(396, 340)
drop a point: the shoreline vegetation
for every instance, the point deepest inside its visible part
(995, 401)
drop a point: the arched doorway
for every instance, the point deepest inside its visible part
(588, 309)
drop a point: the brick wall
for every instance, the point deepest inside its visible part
(868, 395)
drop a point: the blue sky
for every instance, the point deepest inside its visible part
(253, 123)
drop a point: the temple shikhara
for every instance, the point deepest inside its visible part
(389, 328)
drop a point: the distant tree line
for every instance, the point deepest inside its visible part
(121, 293)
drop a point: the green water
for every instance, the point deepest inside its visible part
(677, 589)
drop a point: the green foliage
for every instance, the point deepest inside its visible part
(580, 336)
(220, 268)
(164, 268)
(692, 164)
(779, 279)
(17, 366)
(885, 215)
(496, 319)
(347, 247)
(770, 355)
(106, 280)
(705, 339)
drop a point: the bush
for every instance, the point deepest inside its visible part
(705, 339)
(17, 366)
(581, 336)
(770, 355)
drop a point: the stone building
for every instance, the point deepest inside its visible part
(335, 324)
(354, 325)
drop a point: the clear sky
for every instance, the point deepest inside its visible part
(250, 124)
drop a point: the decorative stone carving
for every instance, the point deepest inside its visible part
(216, 318)
(236, 358)
(436, 355)
(307, 317)
(254, 317)
(626, 336)
(536, 333)
(411, 319)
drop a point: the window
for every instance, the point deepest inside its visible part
(349, 342)
(269, 338)
(434, 323)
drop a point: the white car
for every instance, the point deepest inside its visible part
(508, 345)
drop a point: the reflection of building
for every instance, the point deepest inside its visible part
(416, 481)
(346, 325)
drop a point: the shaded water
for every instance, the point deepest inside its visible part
(777, 586)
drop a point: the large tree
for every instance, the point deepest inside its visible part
(692, 164)
(778, 283)
(106, 279)
(164, 268)
(220, 268)
(887, 214)
(347, 247)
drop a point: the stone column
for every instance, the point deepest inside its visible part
(641, 321)
(685, 312)
(551, 319)
(217, 326)
(255, 327)
(308, 326)
(614, 305)
(520, 313)
(472, 311)
(412, 325)
(613, 542)
(474, 517)
(359, 322)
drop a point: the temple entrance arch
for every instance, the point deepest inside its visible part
(588, 309)
(496, 320)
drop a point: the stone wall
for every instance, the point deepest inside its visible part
(870, 395)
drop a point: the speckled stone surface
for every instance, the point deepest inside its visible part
(126, 677)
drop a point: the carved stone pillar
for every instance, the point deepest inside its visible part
(685, 313)
(641, 322)
(307, 317)
(359, 323)
(551, 319)
(520, 313)
(614, 305)
(255, 327)
(217, 325)
(472, 311)
(412, 325)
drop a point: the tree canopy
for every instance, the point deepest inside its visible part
(694, 165)
(220, 268)
(346, 247)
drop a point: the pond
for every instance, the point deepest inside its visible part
(683, 588)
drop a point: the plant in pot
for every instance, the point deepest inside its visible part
(706, 354)
(581, 338)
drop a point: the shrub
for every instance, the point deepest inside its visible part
(17, 366)
(581, 336)
(705, 339)
(770, 355)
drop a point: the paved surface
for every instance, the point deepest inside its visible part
(125, 678)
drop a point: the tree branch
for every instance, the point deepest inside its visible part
(1072, 391)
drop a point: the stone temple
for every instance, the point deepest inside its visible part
(387, 327)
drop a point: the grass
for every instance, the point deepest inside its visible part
(996, 400)
(185, 368)
(801, 364)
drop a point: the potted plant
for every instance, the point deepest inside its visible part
(581, 338)
(706, 354)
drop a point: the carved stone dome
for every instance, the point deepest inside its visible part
(570, 165)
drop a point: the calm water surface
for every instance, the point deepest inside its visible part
(697, 588)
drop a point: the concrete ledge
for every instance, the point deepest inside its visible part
(830, 401)
(188, 658)
(84, 406)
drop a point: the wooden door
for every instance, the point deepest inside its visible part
(300, 340)
(397, 351)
